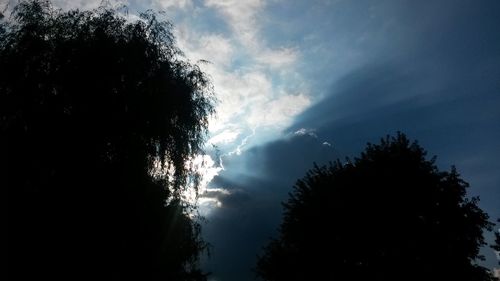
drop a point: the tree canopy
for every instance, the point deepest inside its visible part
(496, 246)
(100, 117)
(388, 215)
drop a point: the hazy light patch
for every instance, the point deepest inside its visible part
(278, 58)
(209, 191)
(205, 198)
(244, 141)
(199, 198)
(211, 200)
(207, 205)
(207, 169)
(496, 273)
(227, 136)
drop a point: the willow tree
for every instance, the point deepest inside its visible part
(100, 117)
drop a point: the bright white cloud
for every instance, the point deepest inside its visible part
(240, 94)
(208, 169)
(241, 17)
(172, 4)
(279, 112)
(218, 191)
(249, 95)
(85, 4)
(216, 48)
(211, 200)
(160, 5)
(8, 5)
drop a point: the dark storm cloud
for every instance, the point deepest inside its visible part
(259, 181)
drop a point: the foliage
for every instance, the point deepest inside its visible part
(496, 246)
(92, 106)
(388, 215)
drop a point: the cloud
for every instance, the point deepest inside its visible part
(256, 183)
(240, 93)
(278, 112)
(225, 137)
(82, 4)
(217, 48)
(305, 132)
(212, 199)
(172, 4)
(245, 20)
(241, 15)
(251, 96)
(207, 169)
(277, 58)
(65, 4)
(153, 4)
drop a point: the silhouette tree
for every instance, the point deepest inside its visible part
(496, 246)
(388, 215)
(100, 117)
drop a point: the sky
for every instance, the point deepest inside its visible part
(309, 81)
